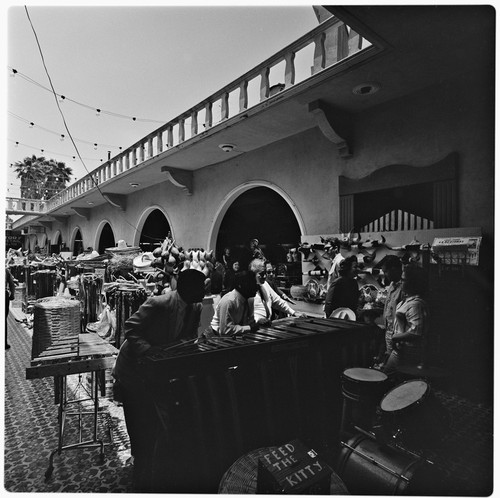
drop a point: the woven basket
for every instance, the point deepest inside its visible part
(54, 318)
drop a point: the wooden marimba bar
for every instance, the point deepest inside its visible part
(225, 396)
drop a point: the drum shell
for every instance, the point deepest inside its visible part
(361, 398)
(369, 468)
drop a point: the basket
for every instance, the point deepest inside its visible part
(54, 318)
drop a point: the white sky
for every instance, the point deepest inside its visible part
(152, 62)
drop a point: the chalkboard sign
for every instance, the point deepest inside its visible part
(293, 469)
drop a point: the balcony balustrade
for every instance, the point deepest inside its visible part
(324, 46)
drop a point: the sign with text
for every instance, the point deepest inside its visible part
(293, 469)
(456, 250)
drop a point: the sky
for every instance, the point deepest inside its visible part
(149, 62)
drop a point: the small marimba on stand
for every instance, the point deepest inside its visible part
(69, 354)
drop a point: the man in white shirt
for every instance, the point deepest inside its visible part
(266, 298)
(333, 253)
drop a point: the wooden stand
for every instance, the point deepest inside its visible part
(93, 355)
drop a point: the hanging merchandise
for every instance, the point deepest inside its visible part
(89, 291)
(124, 299)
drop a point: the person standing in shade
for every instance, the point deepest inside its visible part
(228, 280)
(393, 270)
(343, 291)
(10, 290)
(333, 253)
(234, 313)
(160, 321)
(411, 324)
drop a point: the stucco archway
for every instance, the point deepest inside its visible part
(258, 186)
(76, 241)
(105, 237)
(153, 226)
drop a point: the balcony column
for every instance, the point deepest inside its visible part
(208, 115)
(243, 95)
(159, 142)
(194, 123)
(264, 84)
(289, 69)
(150, 147)
(319, 53)
(224, 106)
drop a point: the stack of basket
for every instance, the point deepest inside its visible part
(56, 320)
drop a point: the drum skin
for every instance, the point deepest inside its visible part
(363, 382)
(369, 468)
(413, 415)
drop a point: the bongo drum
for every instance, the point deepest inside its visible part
(362, 389)
(368, 468)
(412, 415)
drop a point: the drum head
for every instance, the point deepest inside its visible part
(365, 375)
(404, 395)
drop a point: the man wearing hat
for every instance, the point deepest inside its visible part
(160, 321)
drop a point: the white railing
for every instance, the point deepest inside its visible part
(17, 205)
(324, 46)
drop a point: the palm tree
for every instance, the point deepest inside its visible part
(41, 178)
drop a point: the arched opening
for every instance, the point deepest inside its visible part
(154, 231)
(107, 238)
(56, 246)
(78, 243)
(263, 214)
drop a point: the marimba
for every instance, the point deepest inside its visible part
(222, 397)
(69, 356)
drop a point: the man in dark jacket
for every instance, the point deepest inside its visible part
(159, 322)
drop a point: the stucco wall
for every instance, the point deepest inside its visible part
(416, 131)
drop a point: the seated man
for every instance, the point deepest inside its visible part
(234, 312)
(266, 300)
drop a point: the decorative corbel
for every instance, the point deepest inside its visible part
(180, 178)
(328, 122)
(117, 200)
(83, 212)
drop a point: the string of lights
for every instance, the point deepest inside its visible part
(61, 136)
(45, 151)
(63, 98)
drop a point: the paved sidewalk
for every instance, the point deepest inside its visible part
(31, 433)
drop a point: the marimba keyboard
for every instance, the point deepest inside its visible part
(221, 397)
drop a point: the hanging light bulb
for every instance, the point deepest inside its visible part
(61, 98)
(41, 151)
(31, 125)
(133, 119)
(95, 146)
(62, 138)
(74, 158)
(17, 144)
(13, 73)
(98, 112)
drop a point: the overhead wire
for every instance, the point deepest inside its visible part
(93, 180)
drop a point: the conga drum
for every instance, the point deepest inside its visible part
(369, 468)
(362, 389)
(412, 415)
